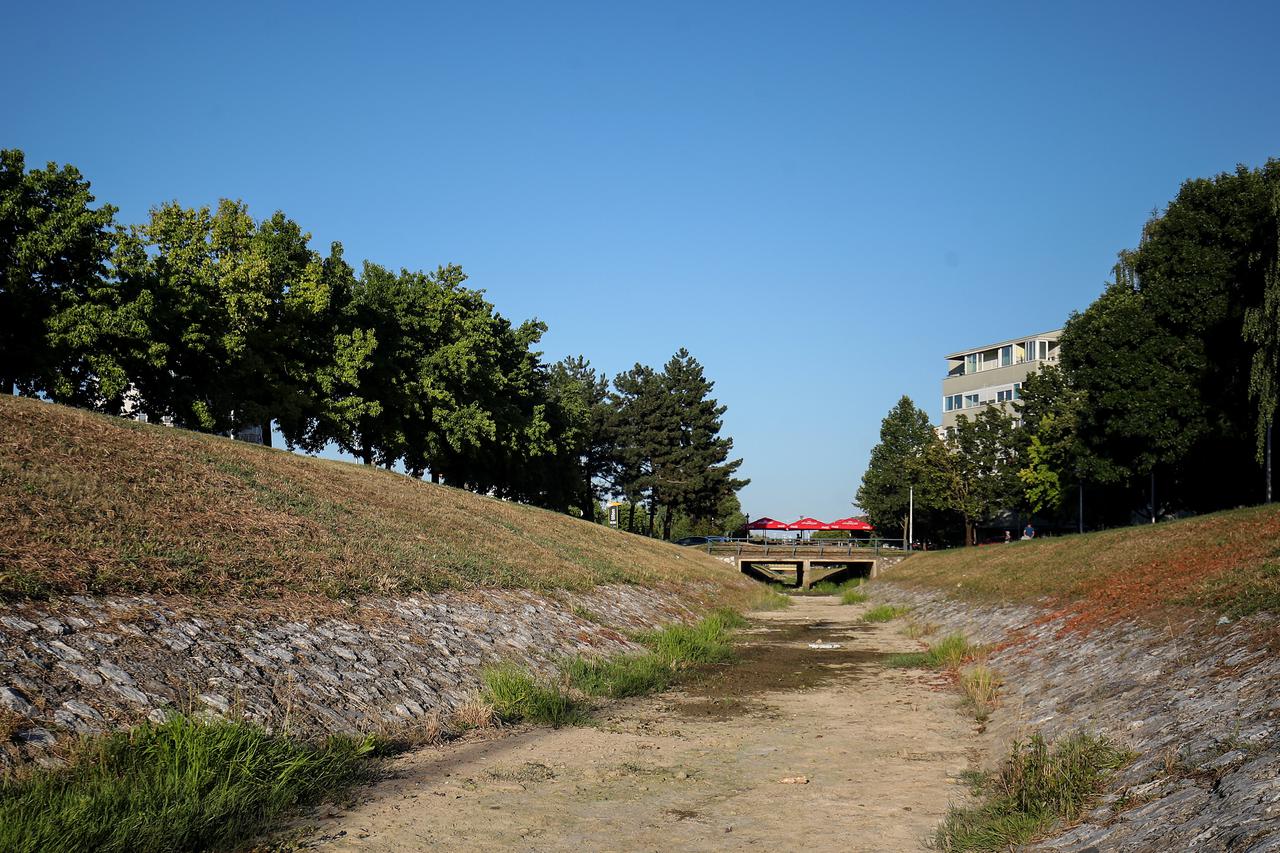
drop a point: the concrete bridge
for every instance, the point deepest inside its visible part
(802, 563)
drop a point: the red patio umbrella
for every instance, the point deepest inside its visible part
(766, 523)
(807, 523)
(850, 523)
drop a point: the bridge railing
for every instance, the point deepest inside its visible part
(859, 548)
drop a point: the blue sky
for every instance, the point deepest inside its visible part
(819, 200)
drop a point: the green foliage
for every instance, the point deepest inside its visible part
(975, 470)
(54, 250)
(183, 784)
(670, 455)
(1262, 331)
(885, 613)
(1034, 787)
(897, 464)
(215, 321)
(517, 696)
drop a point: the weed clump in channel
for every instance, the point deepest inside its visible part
(885, 613)
(1036, 786)
(951, 651)
(184, 784)
(516, 696)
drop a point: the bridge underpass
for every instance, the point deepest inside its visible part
(802, 563)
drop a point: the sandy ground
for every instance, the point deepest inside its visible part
(701, 769)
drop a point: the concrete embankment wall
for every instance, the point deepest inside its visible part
(82, 665)
(1198, 701)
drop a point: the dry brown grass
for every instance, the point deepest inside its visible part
(11, 723)
(476, 714)
(1207, 561)
(97, 504)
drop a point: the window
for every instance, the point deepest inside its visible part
(1031, 350)
(1017, 390)
(1004, 396)
(953, 402)
(970, 400)
(1006, 355)
(971, 363)
(1044, 349)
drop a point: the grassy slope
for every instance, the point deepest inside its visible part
(1227, 561)
(99, 504)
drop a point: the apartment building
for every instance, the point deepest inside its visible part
(993, 374)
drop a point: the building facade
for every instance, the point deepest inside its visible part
(992, 375)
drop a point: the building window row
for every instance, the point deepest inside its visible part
(956, 402)
(1006, 356)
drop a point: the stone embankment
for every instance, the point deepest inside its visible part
(82, 665)
(1197, 700)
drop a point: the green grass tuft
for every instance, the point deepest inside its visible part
(853, 596)
(1034, 788)
(885, 613)
(518, 697)
(951, 651)
(770, 599)
(183, 784)
(620, 676)
(681, 646)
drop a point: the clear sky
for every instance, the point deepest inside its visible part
(819, 200)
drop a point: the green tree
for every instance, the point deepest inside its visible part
(1262, 332)
(54, 250)
(975, 469)
(895, 468)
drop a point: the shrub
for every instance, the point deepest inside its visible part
(183, 784)
(1034, 787)
(980, 684)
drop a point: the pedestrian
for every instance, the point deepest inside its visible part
(1008, 537)
(1029, 532)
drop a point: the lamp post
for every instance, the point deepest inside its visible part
(911, 516)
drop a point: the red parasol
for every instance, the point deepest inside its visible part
(850, 523)
(807, 523)
(766, 523)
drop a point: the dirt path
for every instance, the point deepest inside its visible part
(701, 769)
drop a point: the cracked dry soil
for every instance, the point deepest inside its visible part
(702, 768)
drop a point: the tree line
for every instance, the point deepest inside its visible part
(215, 321)
(1163, 403)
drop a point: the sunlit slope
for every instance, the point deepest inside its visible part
(1226, 561)
(98, 504)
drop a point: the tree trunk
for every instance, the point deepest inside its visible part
(631, 517)
(366, 453)
(266, 433)
(653, 511)
(968, 531)
(666, 525)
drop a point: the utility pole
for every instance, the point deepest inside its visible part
(911, 516)
(1153, 495)
(1268, 463)
(1080, 511)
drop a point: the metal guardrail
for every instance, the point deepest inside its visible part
(805, 547)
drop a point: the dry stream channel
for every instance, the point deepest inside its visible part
(790, 748)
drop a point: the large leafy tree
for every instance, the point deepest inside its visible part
(975, 469)
(54, 249)
(1262, 333)
(896, 468)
